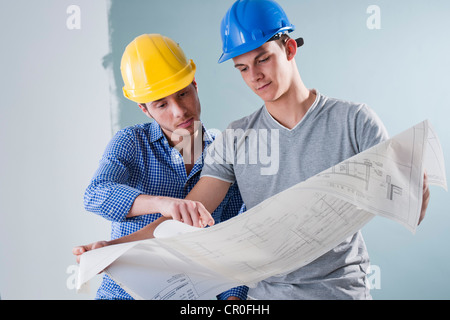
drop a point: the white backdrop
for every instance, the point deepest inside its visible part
(54, 124)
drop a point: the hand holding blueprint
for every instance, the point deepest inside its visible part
(284, 232)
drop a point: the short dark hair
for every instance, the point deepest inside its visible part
(281, 38)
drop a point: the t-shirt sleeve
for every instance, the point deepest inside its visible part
(369, 129)
(219, 159)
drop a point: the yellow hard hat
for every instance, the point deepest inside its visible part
(153, 67)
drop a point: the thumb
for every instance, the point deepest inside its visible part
(78, 250)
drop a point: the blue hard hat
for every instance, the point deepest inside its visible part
(248, 24)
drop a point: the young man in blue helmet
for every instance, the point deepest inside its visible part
(313, 133)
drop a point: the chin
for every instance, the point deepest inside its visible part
(268, 98)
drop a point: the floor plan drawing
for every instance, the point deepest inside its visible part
(284, 232)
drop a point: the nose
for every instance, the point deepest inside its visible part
(178, 109)
(255, 74)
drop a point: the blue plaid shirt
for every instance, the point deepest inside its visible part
(139, 160)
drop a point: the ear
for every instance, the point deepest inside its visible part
(291, 49)
(195, 84)
(144, 109)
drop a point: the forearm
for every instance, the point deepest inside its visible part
(145, 204)
(142, 234)
(210, 192)
(194, 210)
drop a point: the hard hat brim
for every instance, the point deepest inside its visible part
(247, 47)
(164, 88)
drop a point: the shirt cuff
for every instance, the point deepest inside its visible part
(240, 292)
(119, 203)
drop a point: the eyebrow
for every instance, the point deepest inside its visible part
(156, 101)
(256, 58)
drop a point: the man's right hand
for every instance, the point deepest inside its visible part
(190, 212)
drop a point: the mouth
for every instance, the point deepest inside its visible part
(263, 87)
(186, 124)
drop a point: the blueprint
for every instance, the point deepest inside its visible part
(284, 232)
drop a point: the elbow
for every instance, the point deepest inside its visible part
(90, 200)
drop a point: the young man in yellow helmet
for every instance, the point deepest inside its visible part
(148, 169)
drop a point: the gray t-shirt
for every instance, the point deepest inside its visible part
(265, 158)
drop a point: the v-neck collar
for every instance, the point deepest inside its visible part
(294, 129)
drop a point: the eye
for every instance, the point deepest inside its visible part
(264, 60)
(184, 93)
(243, 69)
(161, 105)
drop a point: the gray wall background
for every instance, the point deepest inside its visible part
(55, 121)
(62, 100)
